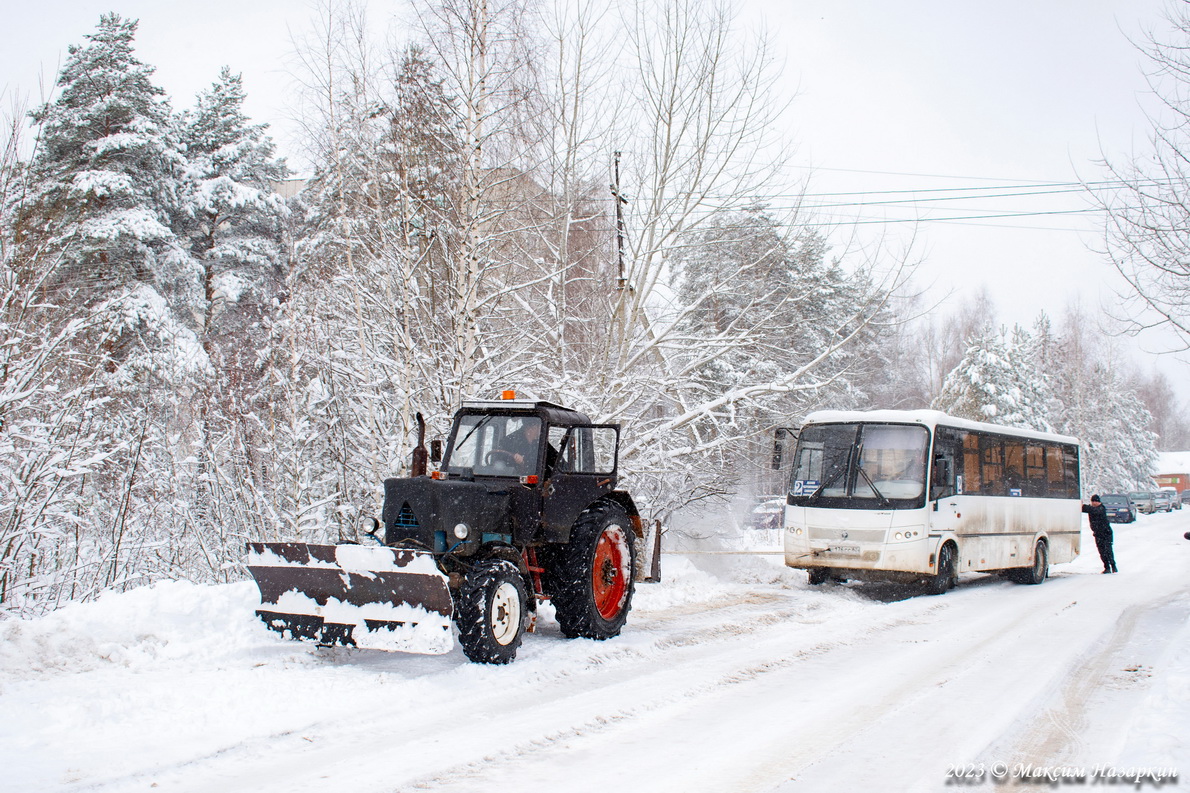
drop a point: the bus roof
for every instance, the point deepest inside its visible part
(929, 418)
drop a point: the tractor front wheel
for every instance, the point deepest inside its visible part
(491, 612)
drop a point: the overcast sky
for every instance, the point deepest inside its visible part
(912, 95)
(928, 94)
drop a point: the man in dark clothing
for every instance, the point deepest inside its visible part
(520, 448)
(1097, 516)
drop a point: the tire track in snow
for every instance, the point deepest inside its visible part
(1066, 732)
(716, 684)
(603, 663)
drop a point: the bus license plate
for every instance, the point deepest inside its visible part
(844, 550)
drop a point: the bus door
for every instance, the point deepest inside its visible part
(946, 481)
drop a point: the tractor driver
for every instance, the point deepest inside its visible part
(520, 448)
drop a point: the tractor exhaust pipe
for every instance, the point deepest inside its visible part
(420, 456)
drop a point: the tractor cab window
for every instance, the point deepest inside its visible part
(487, 445)
(564, 444)
(584, 450)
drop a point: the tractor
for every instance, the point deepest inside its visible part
(523, 507)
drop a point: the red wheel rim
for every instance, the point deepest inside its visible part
(609, 573)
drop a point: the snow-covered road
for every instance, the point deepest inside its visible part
(733, 675)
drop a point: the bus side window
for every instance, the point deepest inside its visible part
(972, 479)
(1055, 478)
(992, 450)
(1035, 470)
(1014, 467)
(1070, 463)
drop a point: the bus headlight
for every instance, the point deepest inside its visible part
(462, 530)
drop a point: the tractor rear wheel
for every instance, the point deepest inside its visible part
(491, 612)
(592, 575)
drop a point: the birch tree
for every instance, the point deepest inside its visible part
(1146, 229)
(699, 143)
(328, 426)
(486, 51)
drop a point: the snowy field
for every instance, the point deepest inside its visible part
(732, 675)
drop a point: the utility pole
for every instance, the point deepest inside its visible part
(621, 281)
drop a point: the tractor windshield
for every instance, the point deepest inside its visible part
(487, 445)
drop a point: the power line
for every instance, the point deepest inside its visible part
(915, 175)
(1073, 186)
(910, 201)
(935, 198)
(1034, 182)
(977, 217)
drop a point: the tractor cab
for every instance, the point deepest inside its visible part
(550, 462)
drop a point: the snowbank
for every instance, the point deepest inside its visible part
(164, 623)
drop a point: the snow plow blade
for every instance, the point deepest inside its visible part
(363, 596)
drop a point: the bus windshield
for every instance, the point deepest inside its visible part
(861, 466)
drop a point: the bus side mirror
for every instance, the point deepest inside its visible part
(779, 439)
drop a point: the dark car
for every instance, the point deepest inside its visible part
(1119, 508)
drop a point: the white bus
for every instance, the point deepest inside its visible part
(923, 496)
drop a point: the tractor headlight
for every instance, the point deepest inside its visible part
(462, 530)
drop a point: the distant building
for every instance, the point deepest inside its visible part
(288, 188)
(1173, 470)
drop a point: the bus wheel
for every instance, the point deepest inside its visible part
(818, 575)
(948, 572)
(1041, 565)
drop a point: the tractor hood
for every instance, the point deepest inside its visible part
(428, 511)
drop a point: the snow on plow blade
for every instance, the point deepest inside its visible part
(366, 596)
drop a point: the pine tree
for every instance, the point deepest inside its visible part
(233, 223)
(1095, 404)
(52, 437)
(105, 191)
(997, 381)
(105, 183)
